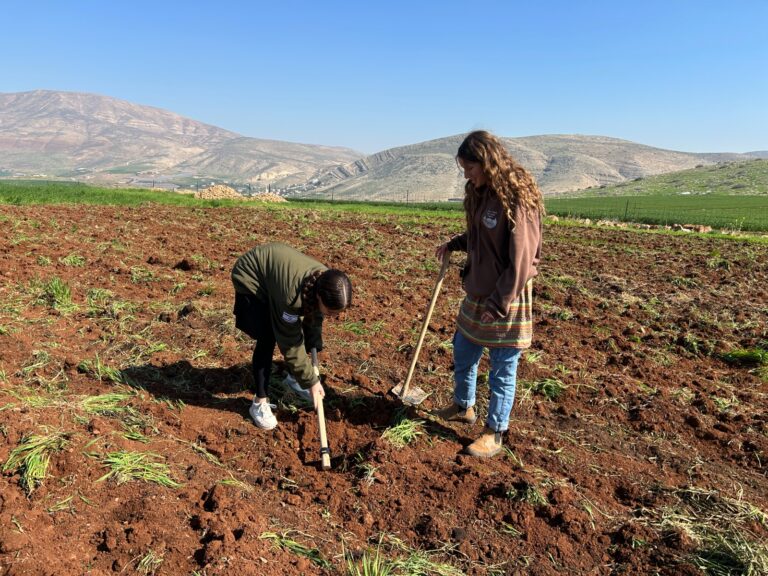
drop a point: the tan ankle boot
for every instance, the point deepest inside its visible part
(489, 444)
(455, 413)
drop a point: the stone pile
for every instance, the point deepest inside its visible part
(218, 192)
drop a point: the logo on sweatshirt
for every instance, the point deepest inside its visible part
(290, 318)
(491, 218)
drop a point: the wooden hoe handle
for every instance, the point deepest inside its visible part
(325, 452)
(425, 325)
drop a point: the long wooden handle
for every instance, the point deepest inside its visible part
(325, 452)
(425, 325)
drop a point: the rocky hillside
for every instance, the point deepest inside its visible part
(90, 137)
(108, 141)
(561, 163)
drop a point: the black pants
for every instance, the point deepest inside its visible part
(253, 318)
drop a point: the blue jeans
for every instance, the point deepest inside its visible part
(502, 379)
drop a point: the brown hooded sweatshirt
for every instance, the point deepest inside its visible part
(500, 259)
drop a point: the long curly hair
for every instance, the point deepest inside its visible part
(332, 286)
(512, 183)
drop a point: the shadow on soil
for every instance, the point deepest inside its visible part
(227, 389)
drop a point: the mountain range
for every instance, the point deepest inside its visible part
(101, 139)
(87, 137)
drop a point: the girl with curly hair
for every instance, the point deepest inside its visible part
(504, 209)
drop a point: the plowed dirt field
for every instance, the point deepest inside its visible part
(634, 447)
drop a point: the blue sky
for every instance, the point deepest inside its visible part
(676, 74)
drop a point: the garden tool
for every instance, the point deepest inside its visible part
(325, 452)
(415, 395)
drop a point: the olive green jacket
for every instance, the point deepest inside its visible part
(274, 273)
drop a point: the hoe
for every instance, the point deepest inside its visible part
(325, 451)
(415, 396)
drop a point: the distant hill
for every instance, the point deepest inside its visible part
(91, 138)
(748, 177)
(561, 163)
(102, 139)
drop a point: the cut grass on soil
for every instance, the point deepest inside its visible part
(286, 542)
(403, 431)
(106, 404)
(369, 564)
(756, 358)
(146, 466)
(417, 562)
(148, 564)
(402, 560)
(100, 371)
(720, 528)
(550, 388)
(32, 457)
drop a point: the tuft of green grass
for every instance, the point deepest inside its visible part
(516, 460)
(550, 388)
(34, 400)
(533, 356)
(200, 449)
(529, 494)
(368, 472)
(418, 562)
(285, 542)
(40, 359)
(61, 505)
(356, 327)
(370, 563)
(33, 455)
(74, 260)
(140, 275)
(57, 294)
(750, 357)
(110, 404)
(510, 530)
(235, 483)
(97, 298)
(403, 431)
(125, 466)
(149, 563)
(97, 369)
(130, 433)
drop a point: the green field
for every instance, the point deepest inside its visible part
(749, 178)
(23, 192)
(732, 196)
(729, 196)
(718, 211)
(43, 192)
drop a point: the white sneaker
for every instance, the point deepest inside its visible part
(291, 383)
(262, 416)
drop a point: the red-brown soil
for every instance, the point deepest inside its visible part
(633, 324)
